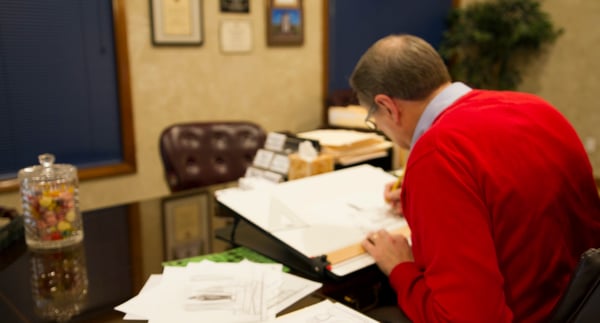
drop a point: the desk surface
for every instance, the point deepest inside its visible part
(88, 278)
(110, 257)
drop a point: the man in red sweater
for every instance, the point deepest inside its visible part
(498, 191)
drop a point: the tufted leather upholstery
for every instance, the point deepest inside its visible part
(342, 98)
(199, 154)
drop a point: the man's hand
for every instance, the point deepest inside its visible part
(391, 194)
(387, 250)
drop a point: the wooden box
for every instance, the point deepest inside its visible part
(301, 168)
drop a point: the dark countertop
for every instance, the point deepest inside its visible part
(88, 279)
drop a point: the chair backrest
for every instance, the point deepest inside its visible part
(581, 301)
(198, 154)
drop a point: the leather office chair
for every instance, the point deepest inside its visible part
(199, 154)
(202, 155)
(581, 301)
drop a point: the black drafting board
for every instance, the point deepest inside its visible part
(319, 218)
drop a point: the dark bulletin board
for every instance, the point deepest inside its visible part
(354, 25)
(59, 84)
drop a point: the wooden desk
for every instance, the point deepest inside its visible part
(104, 259)
(109, 258)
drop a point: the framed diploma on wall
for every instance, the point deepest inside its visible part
(176, 22)
(235, 36)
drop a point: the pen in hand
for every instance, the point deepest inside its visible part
(392, 195)
(397, 184)
(391, 188)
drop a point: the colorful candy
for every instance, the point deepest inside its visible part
(50, 207)
(53, 211)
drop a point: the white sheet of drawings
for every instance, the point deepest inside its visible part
(291, 290)
(218, 292)
(325, 312)
(321, 213)
(192, 295)
(173, 299)
(152, 281)
(243, 290)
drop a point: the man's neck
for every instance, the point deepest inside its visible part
(414, 110)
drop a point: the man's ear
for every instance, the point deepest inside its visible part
(389, 105)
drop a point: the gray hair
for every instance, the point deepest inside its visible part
(401, 66)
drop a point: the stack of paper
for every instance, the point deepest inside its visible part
(351, 116)
(349, 146)
(217, 292)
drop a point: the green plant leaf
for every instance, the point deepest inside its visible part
(485, 41)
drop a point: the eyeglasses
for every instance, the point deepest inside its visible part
(369, 119)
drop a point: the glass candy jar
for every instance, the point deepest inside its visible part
(49, 195)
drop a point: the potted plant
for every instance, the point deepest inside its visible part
(487, 43)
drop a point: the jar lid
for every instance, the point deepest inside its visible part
(47, 170)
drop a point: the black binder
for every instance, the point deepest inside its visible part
(246, 234)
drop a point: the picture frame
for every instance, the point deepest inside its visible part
(235, 6)
(235, 36)
(186, 225)
(176, 22)
(285, 23)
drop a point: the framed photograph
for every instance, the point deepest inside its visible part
(235, 6)
(186, 226)
(285, 23)
(176, 22)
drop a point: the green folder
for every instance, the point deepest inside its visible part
(232, 255)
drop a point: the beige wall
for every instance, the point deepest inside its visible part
(277, 87)
(568, 75)
(281, 88)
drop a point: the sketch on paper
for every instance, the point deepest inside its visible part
(335, 315)
(242, 295)
(326, 312)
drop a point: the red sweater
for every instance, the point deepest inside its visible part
(501, 201)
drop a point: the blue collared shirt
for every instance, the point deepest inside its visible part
(440, 103)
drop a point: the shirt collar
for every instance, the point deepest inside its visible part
(439, 103)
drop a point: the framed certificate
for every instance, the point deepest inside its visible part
(176, 22)
(235, 36)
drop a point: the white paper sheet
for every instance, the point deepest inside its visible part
(327, 312)
(152, 282)
(339, 137)
(322, 213)
(217, 292)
